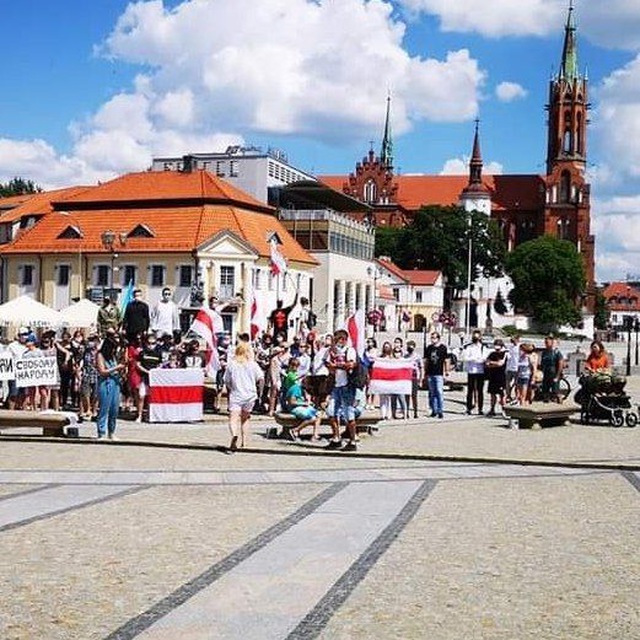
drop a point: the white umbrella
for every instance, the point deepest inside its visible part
(29, 312)
(83, 313)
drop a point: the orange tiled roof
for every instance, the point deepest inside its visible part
(39, 203)
(621, 296)
(416, 277)
(151, 186)
(174, 229)
(508, 192)
(9, 202)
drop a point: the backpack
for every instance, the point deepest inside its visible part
(359, 375)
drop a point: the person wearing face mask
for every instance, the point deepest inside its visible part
(495, 365)
(416, 364)
(474, 356)
(437, 366)
(149, 358)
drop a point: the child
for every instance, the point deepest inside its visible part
(299, 406)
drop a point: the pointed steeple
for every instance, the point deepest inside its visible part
(475, 165)
(386, 150)
(569, 64)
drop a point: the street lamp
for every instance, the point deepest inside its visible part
(108, 239)
(372, 272)
(628, 321)
(636, 328)
(469, 260)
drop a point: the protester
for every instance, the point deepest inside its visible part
(417, 365)
(149, 358)
(513, 354)
(89, 383)
(279, 319)
(340, 360)
(17, 347)
(241, 379)
(300, 407)
(474, 356)
(136, 320)
(165, 316)
(109, 372)
(597, 360)
(495, 367)
(525, 372)
(437, 367)
(109, 317)
(551, 365)
(386, 353)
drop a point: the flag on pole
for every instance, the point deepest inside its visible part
(278, 263)
(391, 376)
(355, 329)
(176, 395)
(127, 296)
(206, 324)
(258, 319)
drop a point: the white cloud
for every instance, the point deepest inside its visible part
(510, 91)
(460, 166)
(494, 18)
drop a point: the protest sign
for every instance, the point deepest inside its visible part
(7, 365)
(36, 371)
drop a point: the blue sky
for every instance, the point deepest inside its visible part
(95, 89)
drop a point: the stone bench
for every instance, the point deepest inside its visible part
(541, 414)
(52, 423)
(366, 423)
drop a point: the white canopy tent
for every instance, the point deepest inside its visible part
(83, 313)
(26, 311)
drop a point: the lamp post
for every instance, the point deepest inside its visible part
(469, 260)
(108, 239)
(636, 328)
(628, 320)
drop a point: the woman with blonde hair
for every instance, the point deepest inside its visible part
(241, 378)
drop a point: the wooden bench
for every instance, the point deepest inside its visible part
(366, 423)
(52, 424)
(541, 414)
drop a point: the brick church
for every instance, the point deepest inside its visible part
(524, 206)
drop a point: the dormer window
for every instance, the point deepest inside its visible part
(141, 231)
(70, 233)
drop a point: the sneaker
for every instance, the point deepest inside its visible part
(101, 436)
(440, 416)
(491, 414)
(234, 444)
(468, 412)
(139, 419)
(112, 436)
(291, 435)
(434, 414)
(334, 444)
(350, 446)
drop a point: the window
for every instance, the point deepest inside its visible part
(185, 275)
(157, 275)
(227, 282)
(370, 191)
(271, 281)
(257, 279)
(396, 294)
(62, 275)
(27, 275)
(129, 274)
(565, 186)
(418, 296)
(284, 280)
(233, 169)
(220, 168)
(102, 275)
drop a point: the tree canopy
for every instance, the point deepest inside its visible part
(438, 238)
(18, 187)
(548, 281)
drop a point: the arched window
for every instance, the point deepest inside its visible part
(565, 186)
(370, 191)
(579, 137)
(567, 139)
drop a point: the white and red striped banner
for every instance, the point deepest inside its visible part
(355, 329)
(176, 395)
(278, 263)
(206, 324)
(391, 376)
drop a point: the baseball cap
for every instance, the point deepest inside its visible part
(23, 331)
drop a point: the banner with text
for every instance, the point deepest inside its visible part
(7, 365)
(37, 371)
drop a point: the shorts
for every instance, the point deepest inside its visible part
(523, 382)
(242, 406)
(343, 401)
(304, 413)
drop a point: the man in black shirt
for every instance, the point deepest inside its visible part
(279, 319)
(136, 316)
(437, 367)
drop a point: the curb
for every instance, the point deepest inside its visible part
(333, 453)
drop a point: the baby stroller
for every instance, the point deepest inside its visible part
(601, 397)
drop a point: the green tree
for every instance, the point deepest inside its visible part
(18, 187)
(601, 313)
(438, 238)
(548, 281)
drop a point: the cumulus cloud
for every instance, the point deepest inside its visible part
(212, 74)
(510, 91)
(460, 166)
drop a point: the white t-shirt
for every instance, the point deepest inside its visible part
(513, 357)
(241, 379)
(474, 356)
(341, 354)
(164, 318)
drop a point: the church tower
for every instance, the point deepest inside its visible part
(567, 202)
(476, 196)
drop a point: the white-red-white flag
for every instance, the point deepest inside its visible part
(258, 319)
(391, 376)
(206, 324)
(278, 263)
(355, 329)
(176, 395)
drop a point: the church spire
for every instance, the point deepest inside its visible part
(569, 64)
(475, 165)
(386, 150)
